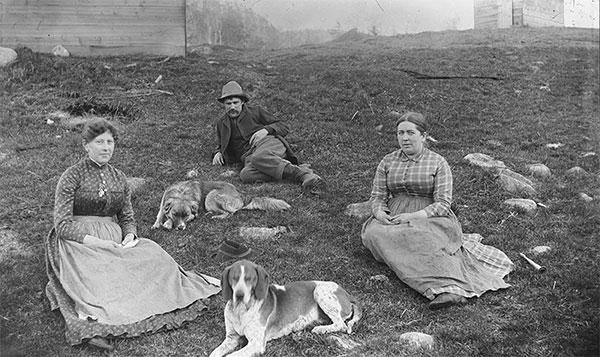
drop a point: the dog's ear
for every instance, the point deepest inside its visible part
(168, 204)
(226, 290)
(262, 283)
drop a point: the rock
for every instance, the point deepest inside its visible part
(541, 249)
(60, 51)
(7, 56)
(416, 340)
(361, 210)
(73, 122)
(380, 278)
(485, 161)
(344, 342)
(229, 173)
(554, 145)
(576, 171)
(522, 203)
(262, 232)
(585, 198)
(135, 184)
(516, 183)
(59, 115)
(539, 170)
(494, 143)
(590, 161)
(192, 173)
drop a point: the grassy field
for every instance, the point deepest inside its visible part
(536, 87)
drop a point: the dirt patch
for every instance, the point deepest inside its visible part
(10, 245)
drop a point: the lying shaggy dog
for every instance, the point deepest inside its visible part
(183, 200)
(260, 311)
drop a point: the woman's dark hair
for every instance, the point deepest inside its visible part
(95, 127)
(416, 118)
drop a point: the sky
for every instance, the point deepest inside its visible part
(388, 17)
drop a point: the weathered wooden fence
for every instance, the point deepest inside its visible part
(95, 27)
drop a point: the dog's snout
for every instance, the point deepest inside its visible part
(180, 227)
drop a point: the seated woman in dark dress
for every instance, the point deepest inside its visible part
(104, 279)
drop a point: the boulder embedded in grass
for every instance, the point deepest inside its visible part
(344, 342)
(60, 51)
(361, 210)
(590, 161)
(73, 123)
(485, 161)
(262, 232)
(540, 249)
(229, 174)
(539, 170)
(524, 204)
(585, 197)
(7, 56)
(192, 174)
(516, 183)
(576, 171)
(416, 340)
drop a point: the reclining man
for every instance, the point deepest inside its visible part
(254, 137)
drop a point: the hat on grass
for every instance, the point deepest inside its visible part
(233, 250)
(233, 89)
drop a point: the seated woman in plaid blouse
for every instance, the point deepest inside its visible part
(413, 230)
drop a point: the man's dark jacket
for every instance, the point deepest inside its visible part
(251, 120)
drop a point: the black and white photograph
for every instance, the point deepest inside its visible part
(327, 178)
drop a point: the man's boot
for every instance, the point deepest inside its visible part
(303, 175)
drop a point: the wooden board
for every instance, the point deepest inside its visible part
(492, 14)
(95, 27)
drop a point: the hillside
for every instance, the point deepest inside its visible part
(524, 96)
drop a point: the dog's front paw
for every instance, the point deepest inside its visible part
(168, 224)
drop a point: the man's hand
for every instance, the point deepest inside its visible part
(257, 136)
(218, 159)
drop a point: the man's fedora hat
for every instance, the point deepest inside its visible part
(233, 89)
(233, 250)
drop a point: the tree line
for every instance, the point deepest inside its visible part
(229, 24)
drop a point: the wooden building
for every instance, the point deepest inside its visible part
(534, 13)
(95, 27)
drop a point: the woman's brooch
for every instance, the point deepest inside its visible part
(102, 188)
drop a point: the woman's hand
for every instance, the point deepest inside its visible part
(128, 238)
(401, 218)
(383, 217)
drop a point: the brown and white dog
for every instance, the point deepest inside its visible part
(261, 311)
(183, 200)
